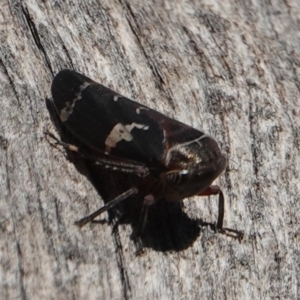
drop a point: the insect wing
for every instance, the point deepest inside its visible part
(106, 121)
(110, 123)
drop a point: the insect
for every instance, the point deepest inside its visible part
(173, 161)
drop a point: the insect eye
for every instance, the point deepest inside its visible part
(174, 178)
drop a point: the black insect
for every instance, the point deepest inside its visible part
(172, 160)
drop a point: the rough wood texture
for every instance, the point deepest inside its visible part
(230, 68)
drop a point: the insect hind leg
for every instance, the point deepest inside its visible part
(106, 207)
(102, 160)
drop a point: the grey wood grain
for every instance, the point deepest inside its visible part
(230, 68)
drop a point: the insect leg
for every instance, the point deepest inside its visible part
(142, 222)
(215, 190)
(138, 232)
(104, 161)
(107, 206)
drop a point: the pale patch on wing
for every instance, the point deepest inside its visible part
(179, 147)
(138, 110)
(67, 111)
(129, 127)
(121, 133)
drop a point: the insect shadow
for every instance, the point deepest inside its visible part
(168, 227)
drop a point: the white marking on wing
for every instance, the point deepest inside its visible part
(176, 147)
(138, 110)
(121, 133)
(136, 125)
(68, 109)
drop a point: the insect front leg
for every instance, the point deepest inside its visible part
(215, 190)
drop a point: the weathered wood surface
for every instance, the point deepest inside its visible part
(230, 68)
